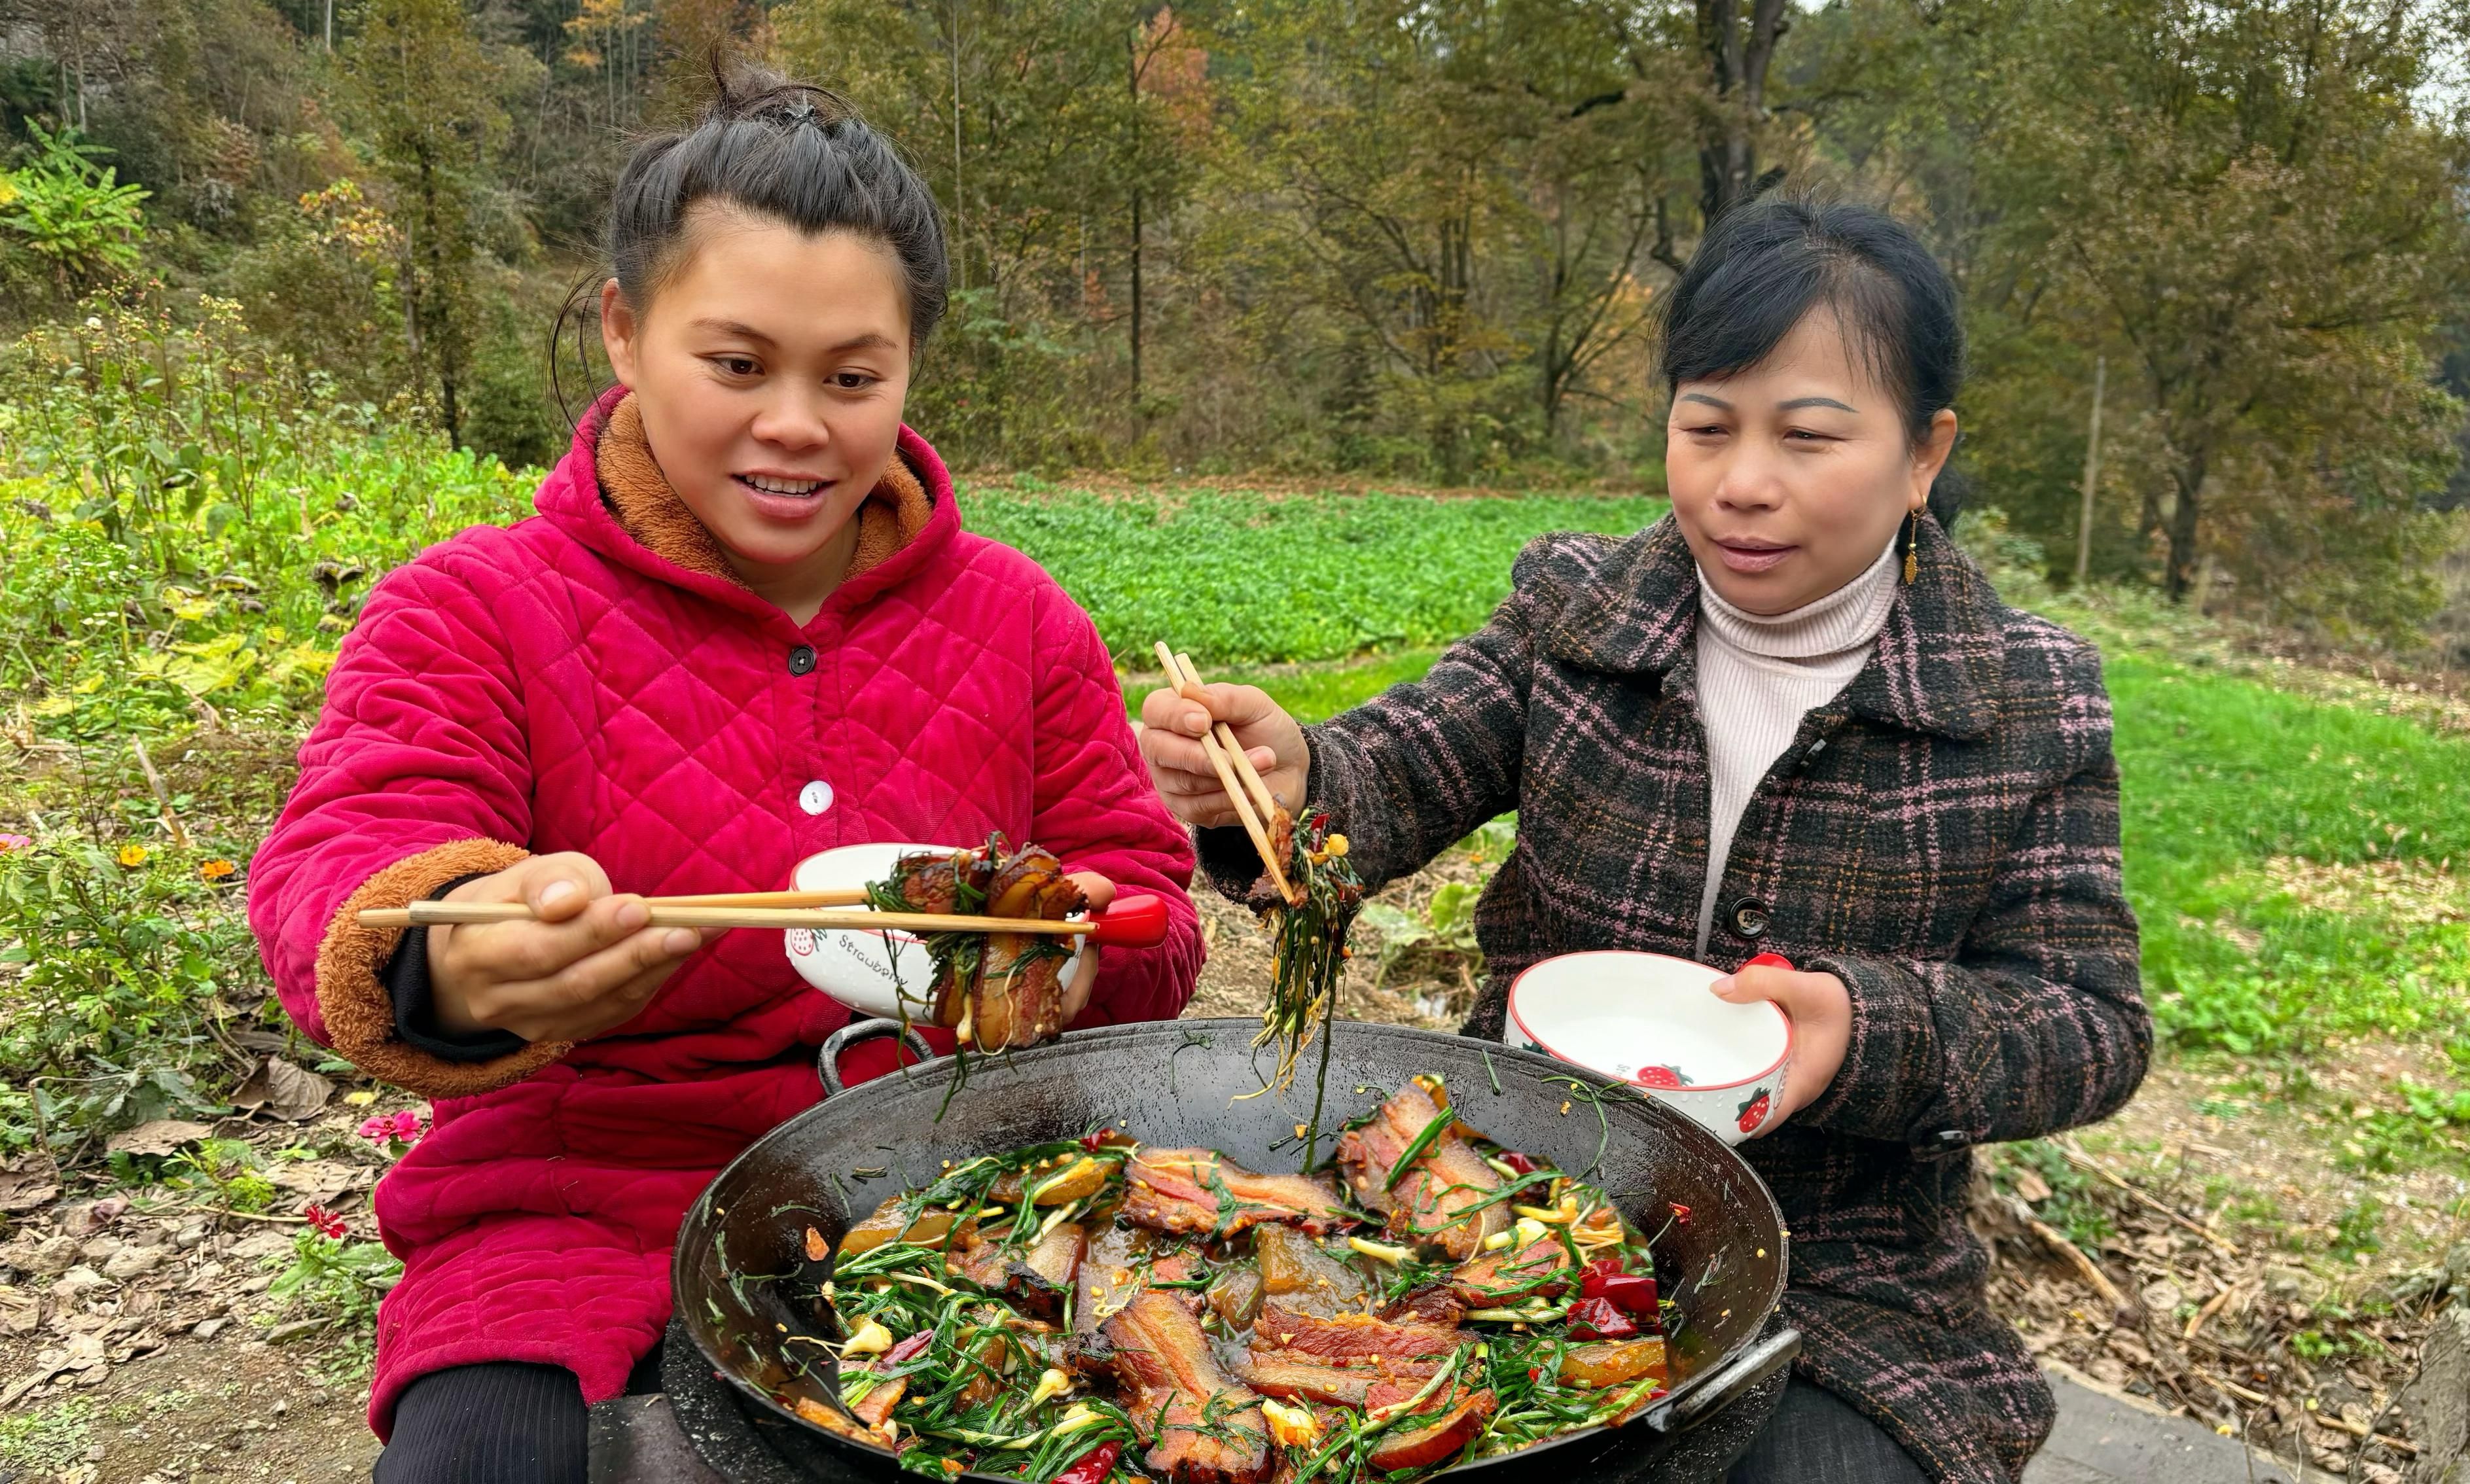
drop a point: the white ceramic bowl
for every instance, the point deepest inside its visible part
(1651, 1021)
(856, 967)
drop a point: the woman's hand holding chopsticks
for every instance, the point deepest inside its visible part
(1171, 727)
(588, 963)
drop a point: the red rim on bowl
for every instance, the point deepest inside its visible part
(1625, 953)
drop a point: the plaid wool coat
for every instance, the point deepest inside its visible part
(1942, 837)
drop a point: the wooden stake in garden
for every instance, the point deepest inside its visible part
(2092, 473)
(162, 794)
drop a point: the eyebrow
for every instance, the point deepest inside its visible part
(1799, 402)
(871, 340)
(1712, 402)
(733, 327)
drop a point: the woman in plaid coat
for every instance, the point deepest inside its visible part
(1904, 787)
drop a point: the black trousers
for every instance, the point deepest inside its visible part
(510, 1423)
(1815, 1435)
(502, 1422)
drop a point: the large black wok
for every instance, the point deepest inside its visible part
(1175, 1084)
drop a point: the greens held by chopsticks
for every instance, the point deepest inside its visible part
(1309, 952)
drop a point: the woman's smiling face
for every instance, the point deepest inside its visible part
(1789, 477)
(770, 368)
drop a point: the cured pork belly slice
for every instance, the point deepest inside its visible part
(1202, 1428)
(1457, 1421)
(1431, 1303)
(1307, 1377)
(1299, 1274)
(1200, 1190)
(1352, 1338)
(1018, 997)
(1432, 1201)
(1040, 1277)
(1614, 1362)
(880, 1400)
(933, 882)
(1121, 1262)
(1540, 1269)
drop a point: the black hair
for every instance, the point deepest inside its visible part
(1766, 264)
(791, 151)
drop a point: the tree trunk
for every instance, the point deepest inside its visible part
(1555, 384)
(1736, 65)
(441, 333)
(1136, 299)
(1133, 76)
(2185, 518)
(960, 202)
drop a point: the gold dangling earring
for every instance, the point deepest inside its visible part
(1912, 547)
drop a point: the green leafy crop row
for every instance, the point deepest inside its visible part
(2222, 775)
(1233, 577)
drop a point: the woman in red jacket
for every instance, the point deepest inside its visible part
(745, 626)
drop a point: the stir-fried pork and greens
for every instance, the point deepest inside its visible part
(1091, 1311)
(1000, 991)
(994, 991)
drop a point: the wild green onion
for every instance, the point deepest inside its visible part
(1416, 1147)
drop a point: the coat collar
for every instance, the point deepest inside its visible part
(1937, 666)
(658, 537)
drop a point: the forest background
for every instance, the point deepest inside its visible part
(1401, 241)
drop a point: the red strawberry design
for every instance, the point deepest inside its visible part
(1661, 1076)
(1753, 1113)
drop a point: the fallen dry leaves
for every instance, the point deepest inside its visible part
(2171, 1309)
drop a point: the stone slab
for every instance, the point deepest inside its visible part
(2106, 1438)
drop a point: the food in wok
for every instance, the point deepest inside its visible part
(1098, 1310)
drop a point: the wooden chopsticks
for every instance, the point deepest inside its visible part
(1254, 805)
(841, 896)
(429, 914)
(660, 906)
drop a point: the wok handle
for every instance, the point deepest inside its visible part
(827, 1061)
(1726, 1387)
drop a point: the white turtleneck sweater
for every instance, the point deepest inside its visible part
(1758, 676)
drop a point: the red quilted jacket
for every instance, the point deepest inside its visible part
(593, 680)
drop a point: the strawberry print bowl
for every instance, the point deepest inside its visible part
(883, 973)
(1652, 1021)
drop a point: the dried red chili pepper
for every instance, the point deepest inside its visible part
(1093, 1466)
(910, 1348)
(1596, 1319)
(1521, 1163)
(1631, 1293)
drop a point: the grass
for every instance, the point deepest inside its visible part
(49, 1438)
(1235, 578)
(2223, 776)
(1311, 693)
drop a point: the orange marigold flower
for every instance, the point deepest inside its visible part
(215, 869)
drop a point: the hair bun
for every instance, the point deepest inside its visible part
(751, 94)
